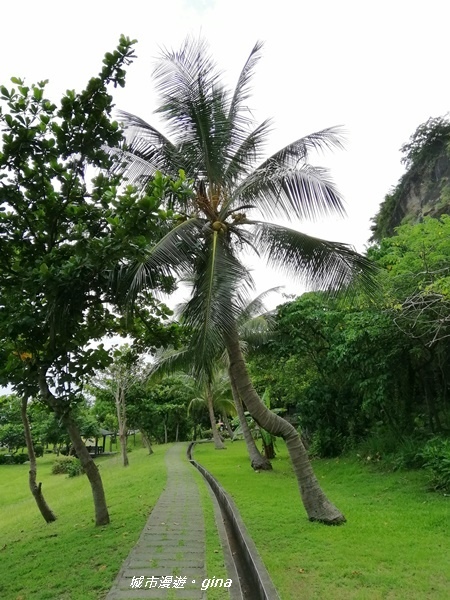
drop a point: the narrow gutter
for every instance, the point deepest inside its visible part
(255, 581)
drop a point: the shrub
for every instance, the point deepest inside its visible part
(74, 468)
(326, 443)
(19, 459)
(39, 450)
(67, 464)
(436, 455)
(14, 459)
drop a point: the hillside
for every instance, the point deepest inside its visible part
(424, 189)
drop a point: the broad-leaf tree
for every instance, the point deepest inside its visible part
(117, 380)
(210, 134)
(66, 226)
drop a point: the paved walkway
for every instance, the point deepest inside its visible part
(168, 560)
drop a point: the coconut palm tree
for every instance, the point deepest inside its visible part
(215, 396)
(230, 194)
(255, 325)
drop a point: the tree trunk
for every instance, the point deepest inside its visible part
(269, 448)
(92, 472)
(257, 460)
(36, 489)
(218, 443)
(147, 442)
(317, 505)
(226, 422)
(122, 420)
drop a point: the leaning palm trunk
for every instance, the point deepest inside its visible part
(36, 489)
(218, 444)
(90, 468)
(257, 460)
(317, 505)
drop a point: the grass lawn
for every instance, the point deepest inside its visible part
(72, 559)
(395, 545)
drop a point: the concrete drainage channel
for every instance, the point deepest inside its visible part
(255, 582)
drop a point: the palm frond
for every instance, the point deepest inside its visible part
(171, 255)
(146, 151)
(217, 292)
(183, 75)
(291, 155)
(169, 361)
(306, 192)
(195, 106)
(257, 331)
(242, 89)
(197, 404)
(245, 150)
(319, 263)
(256, 307)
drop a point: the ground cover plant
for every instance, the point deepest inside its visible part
(395, 544)
(71, 559)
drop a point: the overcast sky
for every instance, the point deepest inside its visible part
(378, 68)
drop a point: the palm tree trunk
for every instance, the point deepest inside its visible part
(257, 460)
(317, 505)
(36, 489)
(218, 443)
(226, 422)
(92, 472)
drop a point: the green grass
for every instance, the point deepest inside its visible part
(72, 559)
(396, 544)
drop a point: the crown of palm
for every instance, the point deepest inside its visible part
(235, 191)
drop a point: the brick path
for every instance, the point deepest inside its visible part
(172, 542)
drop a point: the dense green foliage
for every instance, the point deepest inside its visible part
(66, 226)
(371, 368)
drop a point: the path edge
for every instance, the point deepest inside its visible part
(259, 574)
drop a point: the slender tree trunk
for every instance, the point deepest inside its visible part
(317, 505)
(165, 433)
(147, 442)
(36, 489)
(268, 447)
(176, 432)
(122, 420)
(226, 422)
(218, 443)
(91, 470)
(257, 460)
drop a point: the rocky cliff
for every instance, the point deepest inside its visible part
(424, 190)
